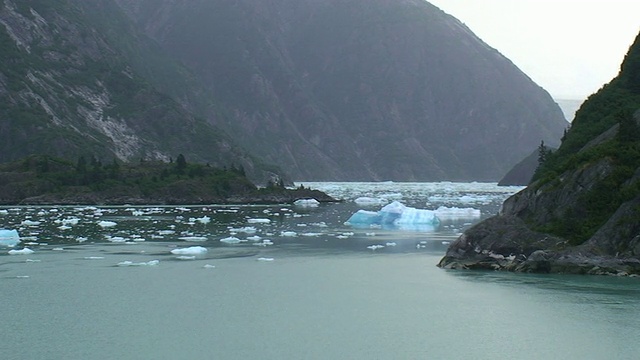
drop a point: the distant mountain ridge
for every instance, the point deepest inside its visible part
(325, 90)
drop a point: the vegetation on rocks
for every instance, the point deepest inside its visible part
(47, 180)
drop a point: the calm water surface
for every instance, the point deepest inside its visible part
(292, 282)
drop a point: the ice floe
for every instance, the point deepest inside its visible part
(258, 221)
(9, 238)
(131, 263)
(394, 215)
(193, 250)
(25, 251)
(231, 240)
(106, 224)
(306, 203)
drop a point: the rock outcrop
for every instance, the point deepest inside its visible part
(582, 214)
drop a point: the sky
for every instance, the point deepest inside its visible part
(569, 47)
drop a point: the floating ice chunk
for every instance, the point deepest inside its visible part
(70, 221)
(396, 215)
(258, 221)
(131, 263)
(166, 232)
(193, 250)
(265, 259)
(311, 234)
(57, 249)
(185, 257)
(455, 213)
(264, 243)
(25, 251)
(64, 227)
(375, 247)
(193, 238)
(246, 230)
(9, 238)
(288, 233)
(106, 224)
(32, 261)
(93, 257)
(231, 240)
(3, 212)
(254, 238)
(209, 266)
(306, 202)
(369, 201)
(30, 223)
(81, 239)
(391, 244)
(203, 220)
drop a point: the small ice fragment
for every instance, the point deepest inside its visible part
(185, 257)
(204, 220)
(265, 259)
(57, 249)
(254, 238)
(22, 277)
(131, 263)
(32, 260)
(70, 221)
(30, 223)
(166, 232)
(230, 240)
(209, 266)
(193, 238)
(369, 201)
(391, 244)
(258, 221)
(193, 250)
(375, 247)
(288, 233)
(446, 242)
(25, 251)
(94, 257)
(306, 202)
(106, 224)
(64, 227)
(81, 239)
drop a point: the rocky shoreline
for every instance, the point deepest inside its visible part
(505, 243)
(279, 196)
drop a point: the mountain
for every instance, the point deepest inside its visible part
(73, 83)
(356, 90)
(324, 90)
(580, 214)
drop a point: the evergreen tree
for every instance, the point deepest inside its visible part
(181, 164)
(542, 153)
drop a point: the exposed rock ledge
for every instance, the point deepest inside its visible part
(504, 242)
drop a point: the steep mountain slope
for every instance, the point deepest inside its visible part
(70, 85)
(581, 214)
(356, 90)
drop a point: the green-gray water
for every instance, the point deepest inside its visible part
(321, 294)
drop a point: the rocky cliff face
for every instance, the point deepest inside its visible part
(356, 90)
(69, 86)
(581, 214)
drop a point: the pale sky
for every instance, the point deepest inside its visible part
(569, 47)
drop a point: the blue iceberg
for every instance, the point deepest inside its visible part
(9, 238)
(396, 215)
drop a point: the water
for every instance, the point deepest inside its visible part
(324, 294)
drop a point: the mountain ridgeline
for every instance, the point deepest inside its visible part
(581, 212)
(323, 90)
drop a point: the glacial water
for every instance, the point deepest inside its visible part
(292, 282)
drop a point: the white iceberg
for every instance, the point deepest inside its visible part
(396, 215)
(30, 223)
(306, 202)
(258, 221)
(369, 201)
(131, 263)
(25, 251)
(193, 250)
(231, 240)
(455, 213)
(9, 238)
(106, 224)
